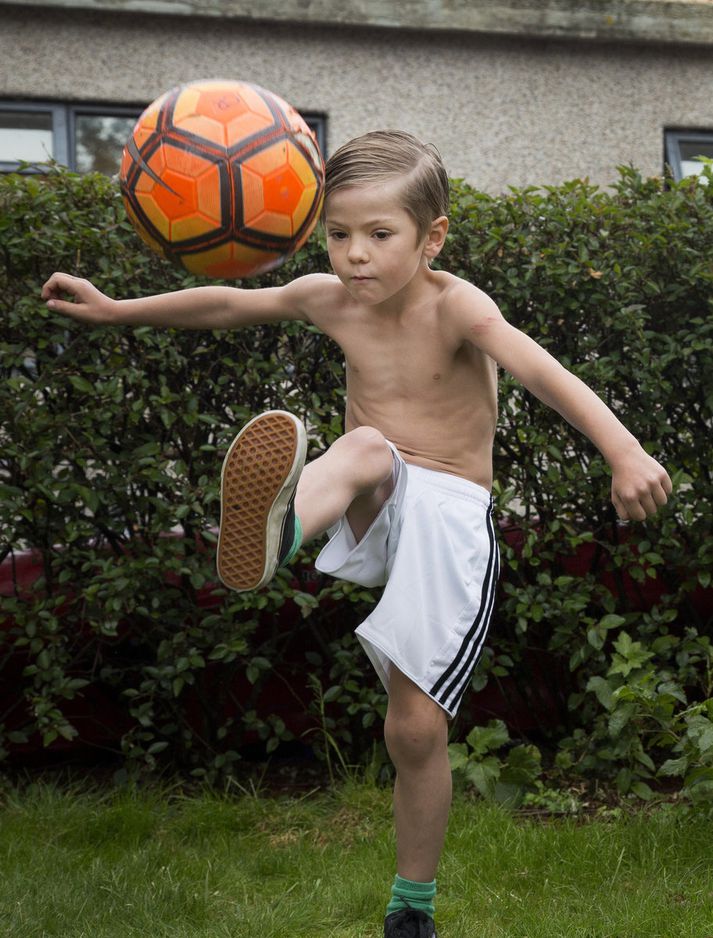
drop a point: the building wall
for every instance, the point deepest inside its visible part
(502, 110)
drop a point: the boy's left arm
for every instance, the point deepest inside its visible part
(640, 485)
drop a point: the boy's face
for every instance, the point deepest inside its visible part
(373, 243)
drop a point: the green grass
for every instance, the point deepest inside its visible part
(121, 865)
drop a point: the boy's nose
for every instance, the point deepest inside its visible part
(357, 251)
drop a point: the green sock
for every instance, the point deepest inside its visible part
(405, 894)
(296, 543)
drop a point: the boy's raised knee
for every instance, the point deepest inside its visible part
(371, 453)
(368, 439)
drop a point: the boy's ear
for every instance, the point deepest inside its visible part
(436, 237)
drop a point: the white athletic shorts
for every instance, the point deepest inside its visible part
(433, 547)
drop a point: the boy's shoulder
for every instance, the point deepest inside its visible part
(461, 298)
(315, 294)
(313, 285)
(465, 311)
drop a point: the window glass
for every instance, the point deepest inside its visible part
(690, 151)
(100, 141)
(26, 135)
(683, 150)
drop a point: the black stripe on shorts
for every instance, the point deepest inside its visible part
(451, 685)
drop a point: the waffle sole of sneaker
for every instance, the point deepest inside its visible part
(260, 473)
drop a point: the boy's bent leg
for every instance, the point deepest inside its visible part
(416, 734)
(265, 493)
(354, 477)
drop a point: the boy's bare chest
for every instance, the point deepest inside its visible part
(399, 361)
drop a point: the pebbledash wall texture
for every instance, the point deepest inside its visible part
(512, 93)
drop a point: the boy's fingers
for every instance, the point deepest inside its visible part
(657, 496)
(621, 508)
(59, 283)
(62, 306)
(637, 509)
(644, 498)
(662, 492)
(49, 287)
(648, 505)
(633, 513)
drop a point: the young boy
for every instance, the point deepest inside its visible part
(405, 493)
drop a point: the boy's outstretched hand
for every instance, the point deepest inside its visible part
(640, 485)
(90, 305)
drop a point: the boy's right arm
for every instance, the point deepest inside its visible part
(196, 308)
(640, 485)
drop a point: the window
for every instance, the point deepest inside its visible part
(27, 135)
(683, 149)
(83, 137)
(97, 140)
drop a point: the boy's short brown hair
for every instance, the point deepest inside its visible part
(393, 154)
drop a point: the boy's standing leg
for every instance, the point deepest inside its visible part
(416, 734)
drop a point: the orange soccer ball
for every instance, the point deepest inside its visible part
(222, 177)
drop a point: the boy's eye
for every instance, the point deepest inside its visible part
(382, 235)
(338, 235)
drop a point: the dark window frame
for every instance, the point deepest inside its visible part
(64, 122)
(673, 138)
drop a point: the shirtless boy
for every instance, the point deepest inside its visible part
(405, 493)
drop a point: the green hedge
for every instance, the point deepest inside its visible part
(111, 439)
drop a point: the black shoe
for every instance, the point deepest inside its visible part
(409, 923)
(257, 516)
